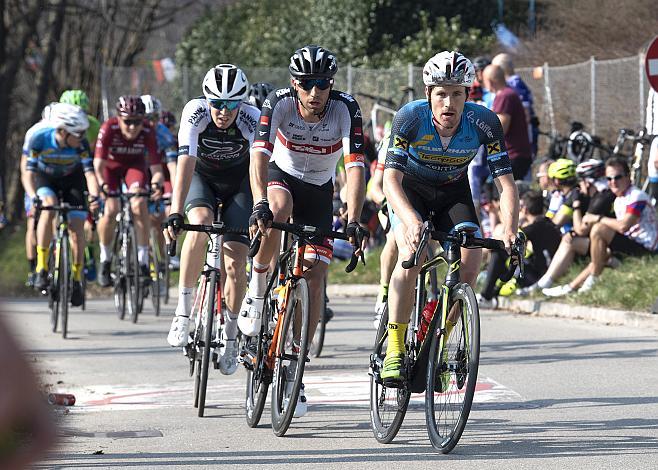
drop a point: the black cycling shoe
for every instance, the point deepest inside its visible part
(145, 273)
(41, 280)
(77, 296)
(31, 278)
(328, 314)
(104, 279)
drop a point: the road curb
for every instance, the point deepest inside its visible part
(529, 306)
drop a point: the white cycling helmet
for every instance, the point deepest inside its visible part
(225, 82)
(47, 111)
(152, 104)
(69, 117)
(449, 68)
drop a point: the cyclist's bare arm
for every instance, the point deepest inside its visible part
(509, 207)
(258, 179)
(99, 167)
(28, 178)
(356, 192)
(397, 199)
(171, 166)
(376, 192)
(157, 176)
(92, 183)
(184, 172)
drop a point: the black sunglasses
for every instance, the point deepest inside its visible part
(615, 178)
(308, 83)
(132, 122)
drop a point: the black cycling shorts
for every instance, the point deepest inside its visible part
(72, 188)
(452, 205)
(235, 196)
(312, 205)
(626, 246)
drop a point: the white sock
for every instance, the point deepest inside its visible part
(258, 282)
(230, 325)
(106, 253)
(184, 307)
(545, 282)
(143, 255)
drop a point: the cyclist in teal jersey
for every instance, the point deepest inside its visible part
(432, 142)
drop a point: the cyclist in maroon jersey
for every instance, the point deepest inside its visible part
(125, 149)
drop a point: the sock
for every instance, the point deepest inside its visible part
(106, 253)
(184, 307)
(76, 271)
(258, 282)
(396, 333)
(42, 258)
(383, 293)
(545, 282)
(33, 264)
(143, 255)
(230, 324)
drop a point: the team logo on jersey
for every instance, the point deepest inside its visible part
(357, 131)
(266, 104)
(400, 143)
(493, 147)
(444, 159)
(347, 97)
(357, 115)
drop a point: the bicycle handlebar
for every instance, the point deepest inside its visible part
(305, 231)
(216, 229)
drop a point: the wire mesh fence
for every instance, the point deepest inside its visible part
(603, 95)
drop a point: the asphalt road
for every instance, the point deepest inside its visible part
(553, 393)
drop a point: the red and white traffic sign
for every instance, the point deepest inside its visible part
(651, 64)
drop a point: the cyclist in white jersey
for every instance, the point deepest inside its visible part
(304, 129)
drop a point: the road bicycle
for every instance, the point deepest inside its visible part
(317, 342)
(442, 355)
(158, 288)
(638, 157)
(126, 273)
(206, 337)
(59, 265)
(278, 354)
(386, 106)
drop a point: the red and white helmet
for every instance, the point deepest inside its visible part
(449, 68)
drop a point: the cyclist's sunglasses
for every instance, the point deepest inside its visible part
(77, 135)
(615, 178)
(231, 105)
(308, 83)
(133, 122)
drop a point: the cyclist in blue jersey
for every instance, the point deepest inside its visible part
(58, 156)
(432, 143)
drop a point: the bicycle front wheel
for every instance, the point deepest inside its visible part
(291, 354)
(259, 377)
(207, 341)
(64, 281)
(452, 370)
(53, 287)
(388, 405)
(133, 274)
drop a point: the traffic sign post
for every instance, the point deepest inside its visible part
(651, 63)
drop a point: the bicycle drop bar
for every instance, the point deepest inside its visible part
(216, 229)
(305, 231)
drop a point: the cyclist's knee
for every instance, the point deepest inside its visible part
(200, 216)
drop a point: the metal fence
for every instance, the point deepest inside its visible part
(603, 95)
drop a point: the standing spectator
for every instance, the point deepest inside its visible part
(479, 94)
(507, 105)
(515, 82)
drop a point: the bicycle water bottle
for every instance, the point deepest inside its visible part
(425, 319)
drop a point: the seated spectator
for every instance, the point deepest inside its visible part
(543, 240)
(632, 231)
(562, 174)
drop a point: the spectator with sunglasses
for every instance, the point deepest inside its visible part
(633, 231)
(126, 149)
(216, 132)
(58, 159)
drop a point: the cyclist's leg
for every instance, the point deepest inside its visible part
(136, 181)
(44, 229)
(30, 241)
(112, 174)
(387, 259)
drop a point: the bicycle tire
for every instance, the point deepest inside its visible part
(258, 381)
(83, 284)
(53, 288)
(167, 278)
(119, 271)
(132, 274)
(282, 413)
(385, 423)
(154, 287)
(453, 401)
(64, 282)
(207, 340)
(318, 338)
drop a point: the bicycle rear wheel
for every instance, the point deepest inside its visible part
(290, 356)
(166, 278)
(133, 274)
(53, 287)
(388, 405)
(64, 281)
(318, 337)
(259, 378)
(207, 340)
(154, 287)
(452, 372)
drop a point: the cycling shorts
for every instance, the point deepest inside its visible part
(235, 196)
(71, 186)
(452, 205)
(312, 205)
(134, 174)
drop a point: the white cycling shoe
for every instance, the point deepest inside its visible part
(301, 408)
(228, 356)
(179, 333)
(249, 318)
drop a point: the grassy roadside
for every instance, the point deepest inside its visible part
(14, 267)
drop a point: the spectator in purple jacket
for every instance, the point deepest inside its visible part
(507, 105)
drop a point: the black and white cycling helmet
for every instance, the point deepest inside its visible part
(313, 62)
(69, 117)
(152, 104)
(225, 82)
(258, 92)
(47, 111)
(448, 68)
(592, 168)
(580, 146)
